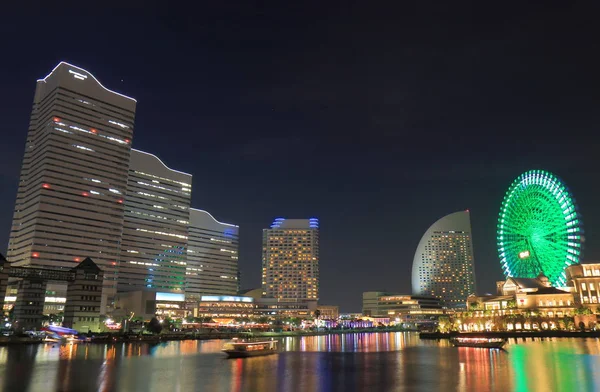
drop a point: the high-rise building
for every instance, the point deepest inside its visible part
(155, 229)
(70, 198)
(443, 263)
(290, 262)
(212, 256)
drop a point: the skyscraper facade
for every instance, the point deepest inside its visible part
(443, 265)
(155, 229)
(71, 190)
(290, 261)
(212, 256)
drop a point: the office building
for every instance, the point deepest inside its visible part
(290, 263)
(155, 227)
(69, 202)
(443, 262)
(212, 256)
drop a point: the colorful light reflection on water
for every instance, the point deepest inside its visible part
(351, 362)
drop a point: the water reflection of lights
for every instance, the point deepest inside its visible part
(348, 361)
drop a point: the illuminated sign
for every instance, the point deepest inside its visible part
(226, 298)
(173, 297)
(525, 254)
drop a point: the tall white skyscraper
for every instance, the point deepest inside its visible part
(155, 228)
(443, 263)
(71, 191)
(290, 262)
(212, 259)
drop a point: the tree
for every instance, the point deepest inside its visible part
(317, 313)
(583, 311)
(154, 326)
(511, 304)
(444, 324)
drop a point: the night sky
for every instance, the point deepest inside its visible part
(376, 120)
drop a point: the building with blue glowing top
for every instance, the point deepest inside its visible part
(290, 262)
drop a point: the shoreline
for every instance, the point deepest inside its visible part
(167, 337)
(508, 334)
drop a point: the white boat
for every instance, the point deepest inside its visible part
(243, 349)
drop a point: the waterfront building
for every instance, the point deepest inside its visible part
(212, 257)
(147, 304)
(224, 309)
(402, 308)
(29, 303)
(520, 294)
(443, 265)
(70, 197)
(370, 302)
(155, 228)
(584, 278)
(274, 307)
(329, 312)
(520, 304)
(290, 260)
(82, 309)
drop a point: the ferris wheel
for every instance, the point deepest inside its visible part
(539, 228)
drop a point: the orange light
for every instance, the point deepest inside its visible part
(113, 263)
(127, 140)
(77, 259)
(56, 119)
(35, 254)
(93, 130)
(120, 201)
(46, 186)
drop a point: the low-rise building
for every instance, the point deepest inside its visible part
(415, 310)
(329, 312)
(148, 304)
(585, 280)
(224, 309)
(84, 296)
(520, 304)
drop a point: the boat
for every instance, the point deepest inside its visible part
(481, 342)
(244, 349)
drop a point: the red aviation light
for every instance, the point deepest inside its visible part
(127, 140)
(77, 259)
(35, 254)
(93, 131)
(56, 119)
(46, 186)
(120, 201)
(85, 194)
(114, 263)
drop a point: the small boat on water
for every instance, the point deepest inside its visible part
(244, 349)
(480, 342)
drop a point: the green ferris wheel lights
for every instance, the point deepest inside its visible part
(539, 229)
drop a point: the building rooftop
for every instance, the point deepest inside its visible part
(88, 265)
(547, 290)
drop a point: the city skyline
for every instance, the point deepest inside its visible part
(384, 136)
